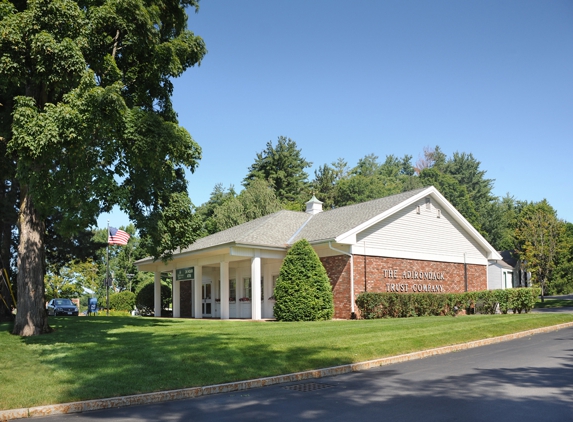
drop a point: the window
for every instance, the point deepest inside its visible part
(247, 287)
(232, 290)
(262, 288)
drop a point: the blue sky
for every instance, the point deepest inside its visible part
(346, 79)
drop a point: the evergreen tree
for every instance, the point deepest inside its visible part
(324, 184)
(303, 291)
(466, 170)
(283, 168)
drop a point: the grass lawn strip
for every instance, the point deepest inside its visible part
(91, 358)
(555, 303)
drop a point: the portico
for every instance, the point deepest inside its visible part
(226, 282)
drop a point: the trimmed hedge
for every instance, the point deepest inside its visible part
(145, 298)
(303, 291)
(403, 305)
(122, 301)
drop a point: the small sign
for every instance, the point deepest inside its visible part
(183, 274)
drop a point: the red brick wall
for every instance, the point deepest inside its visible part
(398, 275)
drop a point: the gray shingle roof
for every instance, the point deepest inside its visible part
(273, 230)
(328, 225)
(286, 227)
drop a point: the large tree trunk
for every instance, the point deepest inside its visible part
(31, 317)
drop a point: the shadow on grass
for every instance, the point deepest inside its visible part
(105, 357)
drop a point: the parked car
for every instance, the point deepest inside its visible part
(62, 307)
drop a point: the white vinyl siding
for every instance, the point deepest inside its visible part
(494, 275)
(427, 235)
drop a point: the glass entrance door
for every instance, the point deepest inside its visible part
(206, 302)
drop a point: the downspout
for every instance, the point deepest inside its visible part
(465, 272)
(352, 313)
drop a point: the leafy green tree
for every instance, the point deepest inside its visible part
(501, 221)
(88, 120)
(62, 282)
(303, 291)
(283, 167)
(257, 200)
(539, 236)
(562, 282)
(359, 188)
(206, 212)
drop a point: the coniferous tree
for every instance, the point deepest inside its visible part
(283, 167)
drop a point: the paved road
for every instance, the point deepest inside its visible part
(529, 379)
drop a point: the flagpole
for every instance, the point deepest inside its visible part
(107, 273)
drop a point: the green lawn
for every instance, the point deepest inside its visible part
(94, 357)
(555, 303)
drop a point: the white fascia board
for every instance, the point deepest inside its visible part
(213, 250)
(350, 236)
(244, 250)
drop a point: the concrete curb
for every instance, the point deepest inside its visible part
(187, 393)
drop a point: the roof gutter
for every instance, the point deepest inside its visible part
(352, 315)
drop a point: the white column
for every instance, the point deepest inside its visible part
(224, 275)
(256, 285)
(157, 293)
(176, 296)
(198, 291)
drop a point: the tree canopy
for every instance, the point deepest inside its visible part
(539, 235)
(283, 167)
(88, 123)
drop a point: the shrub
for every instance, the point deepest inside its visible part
(402, 305)
(303, 291)
(523, 299)
(122, 301)
(144, 297)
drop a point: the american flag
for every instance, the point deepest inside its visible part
(117, 237)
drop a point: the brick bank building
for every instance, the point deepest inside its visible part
(412, 242)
